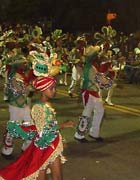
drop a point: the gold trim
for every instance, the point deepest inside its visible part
(38, 116)
(58, 152)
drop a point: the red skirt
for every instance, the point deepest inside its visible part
(30, 162)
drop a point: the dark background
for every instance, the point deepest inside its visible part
(73, 15)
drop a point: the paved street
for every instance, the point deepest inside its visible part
(117, 158)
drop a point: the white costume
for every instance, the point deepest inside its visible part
(93, 107)
(75, 78)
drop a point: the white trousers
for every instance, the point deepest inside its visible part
(75, 78)
(94, 110)
(22, 116)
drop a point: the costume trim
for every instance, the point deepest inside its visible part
(48, 129)
(83, 125)
(16, 131)
(57, 152)
(41, 160)
(103, 81)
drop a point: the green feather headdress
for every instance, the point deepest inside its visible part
(106, 35)
(56, 34)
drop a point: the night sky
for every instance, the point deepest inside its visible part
(74, 15)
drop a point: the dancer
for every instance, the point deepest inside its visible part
(92, 115)
(77, 56)
(107, 68)
(46, 148)
(18, 81)
(76, 75)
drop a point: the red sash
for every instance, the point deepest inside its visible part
(87, 93)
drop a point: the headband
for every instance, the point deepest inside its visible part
(43, 83)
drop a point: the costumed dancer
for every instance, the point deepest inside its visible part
(77, 56)
(105, 39)
(45, 151)
(62, 54)
(76, 75)
(107, 68)
(46, 148)
(18, 80)
(92, 115)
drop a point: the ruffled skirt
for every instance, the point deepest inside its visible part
(28, 165)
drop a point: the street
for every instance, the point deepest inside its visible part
(117, 158)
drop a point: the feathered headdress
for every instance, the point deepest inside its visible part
(106, 36)
(43, 64)
(56, 34)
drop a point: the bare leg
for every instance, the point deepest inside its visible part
(42, 175)
(56, 170)
(65, 78)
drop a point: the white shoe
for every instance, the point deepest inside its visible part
(109, 103)
(78, 136)
(5, 98)
(60, 82)
(65, 83)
